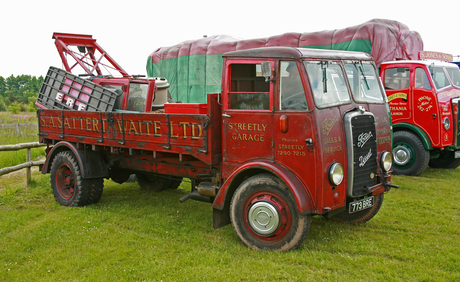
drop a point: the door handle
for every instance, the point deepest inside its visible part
(309, 142)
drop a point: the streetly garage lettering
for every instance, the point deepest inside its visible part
(255, 133)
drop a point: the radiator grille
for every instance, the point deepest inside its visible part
(364, 154)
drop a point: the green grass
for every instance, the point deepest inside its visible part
(134, 235)
(9, 136)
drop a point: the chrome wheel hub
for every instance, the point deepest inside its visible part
(401, 155)
(263, 218)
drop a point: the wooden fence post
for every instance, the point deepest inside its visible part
(29, 170)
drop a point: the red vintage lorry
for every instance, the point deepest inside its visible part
(424, 100)
(294, 133)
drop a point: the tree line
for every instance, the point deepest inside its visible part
(19, 93)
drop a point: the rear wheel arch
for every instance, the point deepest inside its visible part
(56, 149)
(92, 163)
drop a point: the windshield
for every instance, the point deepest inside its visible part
(439, 77)
(364, 82)
(327, 83)
(454, 74)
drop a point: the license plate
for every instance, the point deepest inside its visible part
(362, 204)
(457, 154)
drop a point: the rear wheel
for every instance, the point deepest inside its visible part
(409, 155)
(264, 215)
(361, 216)
(69, 188)
(446, 160)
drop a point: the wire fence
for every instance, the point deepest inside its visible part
(19, 128)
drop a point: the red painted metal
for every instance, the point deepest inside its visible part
(90, 55)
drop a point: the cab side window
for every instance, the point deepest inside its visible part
(397, 78)
(248, 88)
(421, 79)
(292, 94)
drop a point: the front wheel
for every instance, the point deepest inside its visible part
(409, 155)
(264, 215)
(69, 188)
(361, 216)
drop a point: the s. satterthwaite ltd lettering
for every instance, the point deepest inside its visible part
(136, 127)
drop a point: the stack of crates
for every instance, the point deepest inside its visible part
(65, 91)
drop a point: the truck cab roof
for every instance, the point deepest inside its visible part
(426, 63)
(297, 53)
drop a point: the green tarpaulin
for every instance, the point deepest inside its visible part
(193, 68)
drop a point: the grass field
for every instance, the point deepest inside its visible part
(135, 235)
(8, 136)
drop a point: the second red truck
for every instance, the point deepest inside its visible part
(424, 97)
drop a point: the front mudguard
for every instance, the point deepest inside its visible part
(221, 203)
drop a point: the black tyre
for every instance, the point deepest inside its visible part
(264, 215)
(409, 155)
(96, 188)
(361, 216)
(156, 182)
(446, 160)
(69, 188)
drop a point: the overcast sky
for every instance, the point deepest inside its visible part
(131, 30)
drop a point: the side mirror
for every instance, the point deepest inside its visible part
(266, 70)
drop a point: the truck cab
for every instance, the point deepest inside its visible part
(423, 97)
(318, 121)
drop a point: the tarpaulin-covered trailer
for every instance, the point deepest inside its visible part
(194, 68)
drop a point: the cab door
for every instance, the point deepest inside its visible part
(247, 114)
(397, 82)
(294, 135)
(426, 114)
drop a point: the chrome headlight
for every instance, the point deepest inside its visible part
(335, 174)
(386, 161)
(446, 123)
